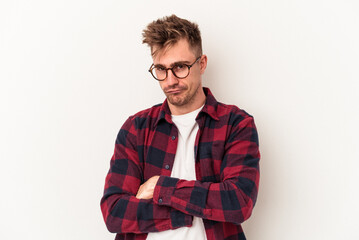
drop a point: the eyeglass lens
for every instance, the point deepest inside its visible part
(180, 71)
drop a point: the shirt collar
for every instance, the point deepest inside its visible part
(210, 108)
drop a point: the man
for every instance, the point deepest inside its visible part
(187, 168)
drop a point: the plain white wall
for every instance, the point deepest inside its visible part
(72, 71)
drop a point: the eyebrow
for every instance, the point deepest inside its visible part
(173, 64)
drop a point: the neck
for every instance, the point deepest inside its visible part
(197, 102)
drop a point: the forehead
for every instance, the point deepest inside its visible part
(180, 51)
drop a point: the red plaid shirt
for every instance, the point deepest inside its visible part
(227, 171)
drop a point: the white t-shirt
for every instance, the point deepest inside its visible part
(184, 168)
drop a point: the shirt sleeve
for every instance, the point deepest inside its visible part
(233, 198)
(122, 211)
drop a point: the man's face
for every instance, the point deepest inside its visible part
(186, 91)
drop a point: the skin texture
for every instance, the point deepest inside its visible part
(146, 190)
(183, 95)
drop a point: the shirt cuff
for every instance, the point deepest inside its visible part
(164, 189)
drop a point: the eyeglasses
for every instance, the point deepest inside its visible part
(179, 70)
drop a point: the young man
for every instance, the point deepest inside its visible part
(187, 168)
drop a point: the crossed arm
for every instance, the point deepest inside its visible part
(163, 203)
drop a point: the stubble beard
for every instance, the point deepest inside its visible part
(182, 101)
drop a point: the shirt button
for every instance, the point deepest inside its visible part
(160, 200)
(167, 167)
(173, 137)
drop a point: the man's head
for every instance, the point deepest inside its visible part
(178, 62)
(165, 32)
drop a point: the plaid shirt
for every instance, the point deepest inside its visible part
(227, 172)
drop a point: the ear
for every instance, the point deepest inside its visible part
(203, 63)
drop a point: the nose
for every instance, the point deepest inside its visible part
(171, 78)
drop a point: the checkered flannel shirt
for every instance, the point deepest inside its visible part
(227, 171)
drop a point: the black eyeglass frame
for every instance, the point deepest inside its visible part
(171, 68)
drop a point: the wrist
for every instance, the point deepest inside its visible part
(164, 189)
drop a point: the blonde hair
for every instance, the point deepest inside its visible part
(167, 31)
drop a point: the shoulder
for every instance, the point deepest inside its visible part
(232, 113)
(139, 121)
(240, 124)
(142, 118)
(152, 112)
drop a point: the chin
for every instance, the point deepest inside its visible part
(176, 101)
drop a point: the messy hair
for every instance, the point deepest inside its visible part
(167, 31)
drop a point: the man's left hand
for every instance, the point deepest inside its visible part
(146, 190)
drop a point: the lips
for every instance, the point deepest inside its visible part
(174, 90)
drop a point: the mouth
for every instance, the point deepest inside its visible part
(174, 91)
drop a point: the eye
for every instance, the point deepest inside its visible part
(178, 67)
(160, 68)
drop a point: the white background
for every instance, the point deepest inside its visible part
(72, 71)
